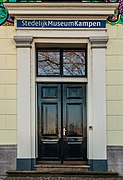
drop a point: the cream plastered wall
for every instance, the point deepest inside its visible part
(8, 82)
(114, 85)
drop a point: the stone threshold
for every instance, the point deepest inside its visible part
(62, 168)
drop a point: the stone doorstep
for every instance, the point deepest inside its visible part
(37, 175)
(88, 174)
(64, 178)
(62, 168)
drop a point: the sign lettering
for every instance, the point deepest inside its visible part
(44, 24)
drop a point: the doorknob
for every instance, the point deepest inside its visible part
(64, 131)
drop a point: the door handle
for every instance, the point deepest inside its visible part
(64, 131)
(59, 132)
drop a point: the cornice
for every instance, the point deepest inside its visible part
(63, 9)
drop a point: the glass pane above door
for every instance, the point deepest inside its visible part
(48, 62)
(61, 62)
(74, 63)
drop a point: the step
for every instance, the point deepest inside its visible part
(61, 168)
(37, 175)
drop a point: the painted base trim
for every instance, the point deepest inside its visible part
(26, 164)
(29, 164)
(98, 165)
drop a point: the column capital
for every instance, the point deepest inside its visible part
(23, 41)
(98, 41)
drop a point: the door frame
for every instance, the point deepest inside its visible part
(96, 97)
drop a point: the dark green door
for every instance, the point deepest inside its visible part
(62, 122)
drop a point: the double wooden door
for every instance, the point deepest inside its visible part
(62, 126)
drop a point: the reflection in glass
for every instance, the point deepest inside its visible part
(74, 63)
(48, 62)
(49, 119)
(74, 112)
(61, 62)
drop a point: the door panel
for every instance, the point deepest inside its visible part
(73, 122)
(49, 121)
(73, 92)
(50, 92)
(62, 122)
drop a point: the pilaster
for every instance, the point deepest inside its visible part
(98, 94)
(23, 44)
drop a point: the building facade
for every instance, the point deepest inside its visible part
(61, 85)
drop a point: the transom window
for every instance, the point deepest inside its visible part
(61, 62)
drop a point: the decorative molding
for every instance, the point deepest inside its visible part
(23, 41)
(64, 9)
(99, 41)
